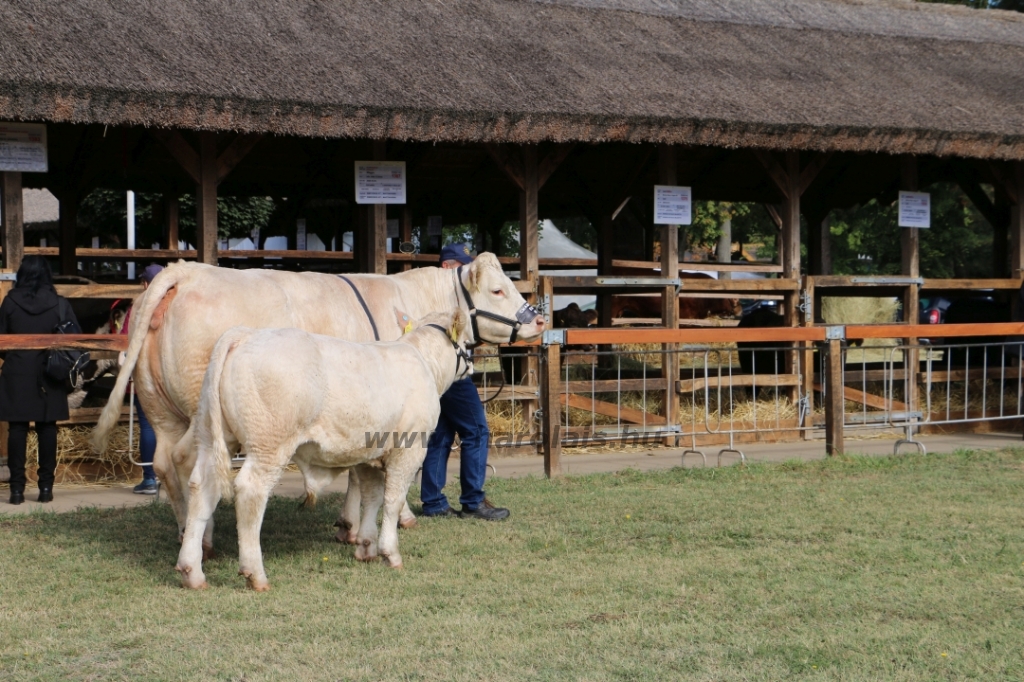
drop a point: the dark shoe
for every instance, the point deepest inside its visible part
(486, 511)
(446, 512)
(17, 496)
(147, 487)
(46, 494)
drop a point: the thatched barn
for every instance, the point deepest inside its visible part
(500, 105)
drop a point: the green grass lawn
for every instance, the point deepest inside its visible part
(849, 569)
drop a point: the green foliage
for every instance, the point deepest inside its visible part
(104, 214)
(866, 239)
(750, 224)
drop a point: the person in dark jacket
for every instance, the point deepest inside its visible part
(26, 394)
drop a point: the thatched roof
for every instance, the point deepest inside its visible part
(876, 75)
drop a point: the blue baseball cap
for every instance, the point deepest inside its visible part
(457, 252)
(150, 272)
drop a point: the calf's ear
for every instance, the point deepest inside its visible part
(458, 325)
(405, 322)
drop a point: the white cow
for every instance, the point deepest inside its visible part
(280, 393)
(189, 306)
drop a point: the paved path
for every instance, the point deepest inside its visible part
(68, 498)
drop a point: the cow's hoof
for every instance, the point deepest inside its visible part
(407, 523)
(189, 585)
(366, 551)
(209, 553)
(343, 524)
(393, 561)
(351, 537)
(309, 502)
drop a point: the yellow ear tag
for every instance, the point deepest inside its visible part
(408, 328)
(452, 333)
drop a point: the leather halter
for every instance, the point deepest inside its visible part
(526, 313)
(460, 353)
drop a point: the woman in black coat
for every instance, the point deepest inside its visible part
(26, 394)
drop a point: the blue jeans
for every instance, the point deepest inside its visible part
(461, 413)
(147, 443)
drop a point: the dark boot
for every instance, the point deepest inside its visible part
(46, 494)
(17, 495)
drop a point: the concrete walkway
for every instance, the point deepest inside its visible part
(68, 498)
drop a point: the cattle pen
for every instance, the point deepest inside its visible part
(826, 106)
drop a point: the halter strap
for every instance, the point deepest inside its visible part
(366, 309)
(460, 354)
(516, 324)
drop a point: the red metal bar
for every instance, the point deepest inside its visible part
(110, 342)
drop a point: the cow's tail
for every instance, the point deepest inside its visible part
(141, 318)
(210, 414)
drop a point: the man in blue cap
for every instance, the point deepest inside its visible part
(147, 437)
(461, 413)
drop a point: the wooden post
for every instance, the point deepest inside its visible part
(405, 231)
(171, 213)
(206, 200)
(5, 288)
(528, 254)
(911, 267)
(791, 234)
(669, 295)
(68, 220)
(12, 212)
(551, 436)
(605, 253)
(835, 402)
(1017, 224)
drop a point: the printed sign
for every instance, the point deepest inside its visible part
(380, 182)
(23, 147)
(434, 226)
(915, 209)
(672, 205)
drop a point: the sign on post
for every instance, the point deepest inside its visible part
(23, 147)
(915, 209)
(380, 182)
(672, 205)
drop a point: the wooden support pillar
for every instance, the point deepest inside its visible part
(910, 267)
(529, 260)
(68, 220)
(171, 220)
(670, 295)
(835, 401)
(405, 231)
(12, 213)
(605, 249)
(791, 234)
(372, 230)
(1017, 223)
(529, 216)
(206, 200)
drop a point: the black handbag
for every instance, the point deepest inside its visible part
(66, 366)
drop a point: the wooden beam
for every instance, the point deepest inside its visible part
(776, 217)
(552, 161)
(1006, 181)
(607, 409)
(206, 200)
(172, 210)
(835, 406)
(667, 167)
(1017, 223)
(181, 150)
(528, 215)
(812, 169)
(235, 152)
(778, 174)
(12, 213)
(508, 162)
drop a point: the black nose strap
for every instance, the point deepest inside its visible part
(526, 314)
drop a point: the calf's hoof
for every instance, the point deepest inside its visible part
(255, 584)
(407, 523)
(366, 551)
(193, 582)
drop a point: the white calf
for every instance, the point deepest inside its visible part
(284, 393)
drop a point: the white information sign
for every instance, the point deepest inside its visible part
(434, 226)
(380, 182)
(672, 205)
(392, 228)
(915, 209)
(23, 147)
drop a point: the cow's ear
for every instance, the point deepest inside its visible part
(473, 275)
(458, 325)
(404, 321)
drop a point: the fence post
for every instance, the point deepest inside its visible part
(835, 400)
(551, 437)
